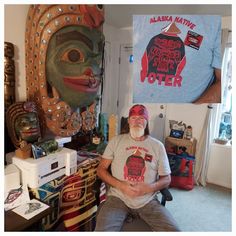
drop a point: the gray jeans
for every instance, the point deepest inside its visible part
(113, 212)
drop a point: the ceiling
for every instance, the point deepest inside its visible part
(120, 16)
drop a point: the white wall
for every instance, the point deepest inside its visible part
(14, 27)
(190, 114)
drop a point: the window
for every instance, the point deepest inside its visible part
(225, 126)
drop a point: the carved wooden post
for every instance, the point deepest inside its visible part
(9, 75)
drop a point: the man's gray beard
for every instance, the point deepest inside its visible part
(136, 132)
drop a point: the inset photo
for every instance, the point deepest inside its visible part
(177, 58)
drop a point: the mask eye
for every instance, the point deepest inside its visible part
(24, 122)
(100, 7)
(73, 56)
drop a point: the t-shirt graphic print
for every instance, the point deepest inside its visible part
(134, 168)
(164, 57)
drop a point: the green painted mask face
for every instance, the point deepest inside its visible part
(73, 64)
(27, 127)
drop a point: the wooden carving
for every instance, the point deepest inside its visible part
(112, 126)
(64, 45)
(9, 75)
(23, 127)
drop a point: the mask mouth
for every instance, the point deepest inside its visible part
(31, 131)
(93, 83)
(83, 83)
(30, 135)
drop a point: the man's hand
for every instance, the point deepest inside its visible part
(142, 188)
(128, 189)
(135, 189)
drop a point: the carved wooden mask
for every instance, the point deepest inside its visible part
(64, 45)
(23, 123)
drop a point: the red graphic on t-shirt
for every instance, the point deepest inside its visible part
(164, 58)
(193, 40)
(148, 157)
(134, 168)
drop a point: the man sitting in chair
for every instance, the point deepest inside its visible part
(139, 169)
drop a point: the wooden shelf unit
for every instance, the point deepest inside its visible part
(190, 144)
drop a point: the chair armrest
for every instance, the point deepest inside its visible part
(166, 196)
(166, 193)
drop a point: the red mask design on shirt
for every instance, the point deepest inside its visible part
(134, 168)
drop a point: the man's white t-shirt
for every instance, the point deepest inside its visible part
(138, 161)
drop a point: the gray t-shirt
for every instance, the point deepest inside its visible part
(139, 161)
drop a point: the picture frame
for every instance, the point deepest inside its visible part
(176, 133)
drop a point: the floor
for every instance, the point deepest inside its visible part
(203, 209)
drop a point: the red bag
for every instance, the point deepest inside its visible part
(183, 178)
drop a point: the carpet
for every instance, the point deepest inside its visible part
(203, 209)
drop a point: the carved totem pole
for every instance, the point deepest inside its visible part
(9, 75)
